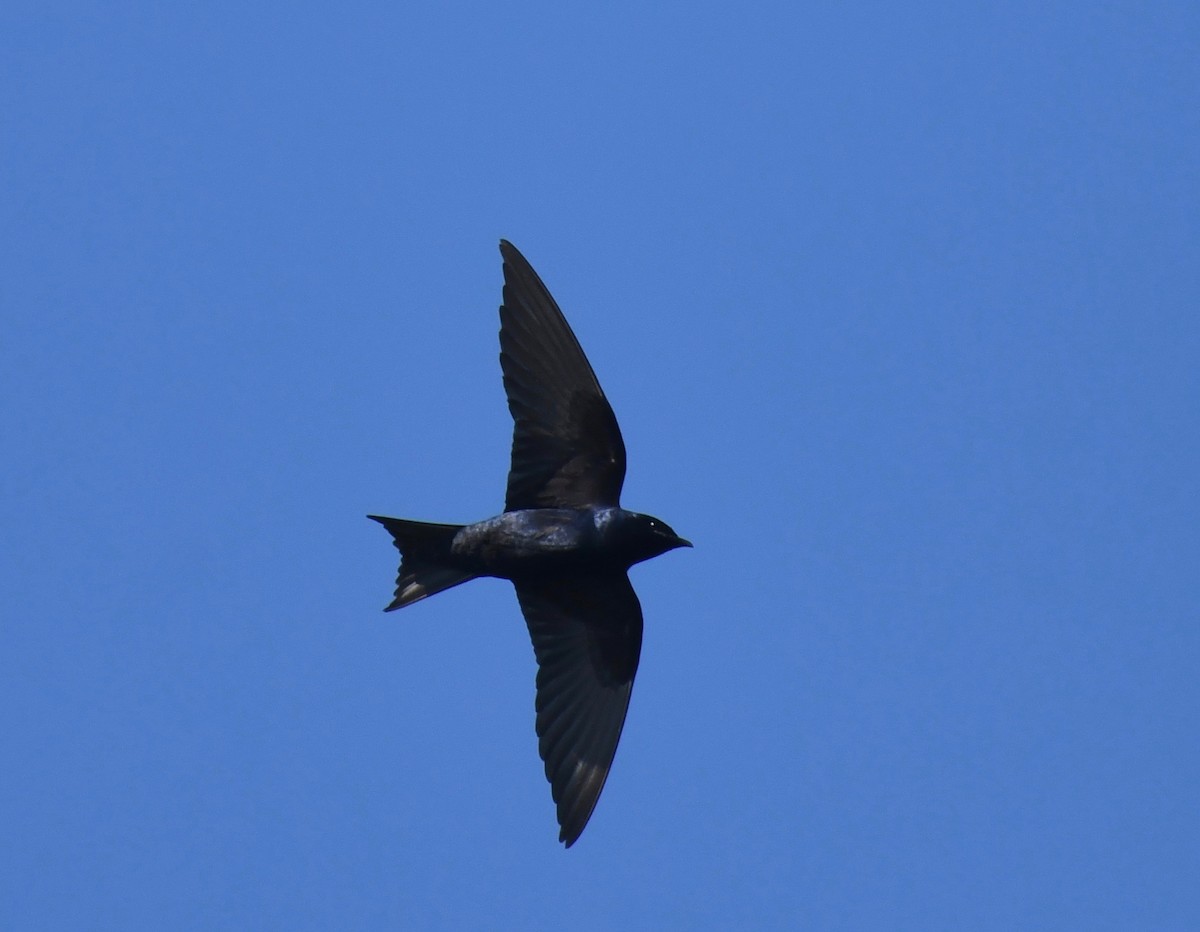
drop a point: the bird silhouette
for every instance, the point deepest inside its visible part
(563, 540)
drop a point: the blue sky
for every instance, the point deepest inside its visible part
(899, 309)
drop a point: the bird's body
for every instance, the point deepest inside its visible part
(563, 540)
(532, 542)
(545, 541)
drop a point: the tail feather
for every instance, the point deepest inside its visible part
(424, 559)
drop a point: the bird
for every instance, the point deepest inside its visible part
(563, 540)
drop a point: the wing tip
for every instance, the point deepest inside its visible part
(508, 251)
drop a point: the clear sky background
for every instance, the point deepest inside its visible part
(899, 309)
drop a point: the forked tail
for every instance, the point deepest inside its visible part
(425, 559)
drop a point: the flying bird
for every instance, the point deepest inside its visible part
(563, 540)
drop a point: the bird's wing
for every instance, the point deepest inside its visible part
(587, 636)
(567, 448)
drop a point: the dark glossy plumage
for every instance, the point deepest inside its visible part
(587, 635)
(567, 447)
(563, 540)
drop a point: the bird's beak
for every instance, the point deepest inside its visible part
(680, 542)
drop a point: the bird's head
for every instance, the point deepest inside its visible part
(647, 537)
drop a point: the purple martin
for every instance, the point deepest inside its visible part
(563, 540)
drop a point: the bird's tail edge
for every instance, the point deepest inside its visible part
(425, 567)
